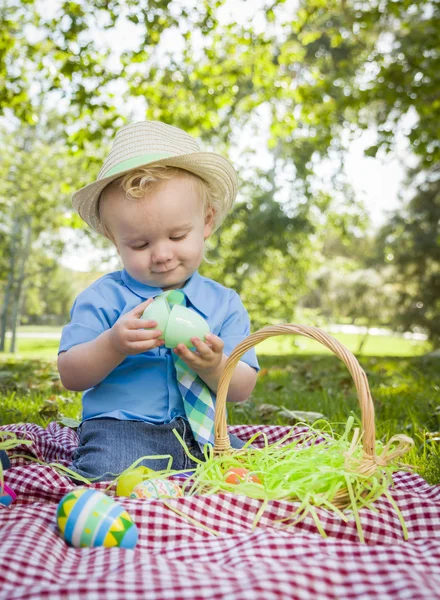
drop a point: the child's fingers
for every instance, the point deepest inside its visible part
(141, 324)
(203, 349)
(144, 335)
(186, 354)
(215, 342)
(138, 310)
(138, 347)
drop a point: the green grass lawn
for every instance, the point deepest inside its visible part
(375, 345)
(405, 388)
(39, 328)
(38, 348)
(378, 345)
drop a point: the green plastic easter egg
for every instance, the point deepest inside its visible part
(130, 479)
(183, 324)
(159, 311)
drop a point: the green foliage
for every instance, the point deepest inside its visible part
(325, 68)
(411, 240)
(36, 180)
(48, 296)
(363, 296)
(63, 49)
(305, 82)
(264, 255)
(406, 75)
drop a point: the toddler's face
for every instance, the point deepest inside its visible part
(160, 238)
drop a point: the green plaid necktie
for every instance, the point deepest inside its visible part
(198, 399)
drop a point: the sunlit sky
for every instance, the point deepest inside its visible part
(376, 181)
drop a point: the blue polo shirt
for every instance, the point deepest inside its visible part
(144, 386)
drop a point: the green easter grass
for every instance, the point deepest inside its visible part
(304, 471)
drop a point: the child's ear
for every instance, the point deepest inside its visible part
(209, 223)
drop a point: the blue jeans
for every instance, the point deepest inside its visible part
(4, 460)
(109, 446)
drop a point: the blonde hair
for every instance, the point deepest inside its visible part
(145, 180)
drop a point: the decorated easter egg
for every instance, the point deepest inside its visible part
(128, 480)
(239, 475)
(156, 488)
(88, 518)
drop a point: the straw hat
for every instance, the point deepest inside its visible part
(154, 143)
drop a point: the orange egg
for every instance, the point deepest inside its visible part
(240, 474)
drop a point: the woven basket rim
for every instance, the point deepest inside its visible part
(360, 380)
(369, 463)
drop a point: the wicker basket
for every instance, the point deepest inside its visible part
(370, 462)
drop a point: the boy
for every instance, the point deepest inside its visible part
(157, 198)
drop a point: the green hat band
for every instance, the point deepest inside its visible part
(136, 161)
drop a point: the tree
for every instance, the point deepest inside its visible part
(405, 83)
(404, 77)
(329, 69)
(36, 179)
(364, 296)
(411, 241)
(319, 72)
(49, 294)
(63, 49)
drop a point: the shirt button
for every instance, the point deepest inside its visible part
(173, 413)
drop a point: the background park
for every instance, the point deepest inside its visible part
(330, 111)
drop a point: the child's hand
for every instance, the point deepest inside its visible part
(132, 335)
(207, 357)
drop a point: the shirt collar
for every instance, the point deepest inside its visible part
(193, 289)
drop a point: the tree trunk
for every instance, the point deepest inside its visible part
(363, 341)
(16, 316)
(364, 338)
(19, 296)
(16, 230)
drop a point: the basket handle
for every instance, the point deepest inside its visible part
(222, 443)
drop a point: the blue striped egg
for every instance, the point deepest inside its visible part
(88, 518)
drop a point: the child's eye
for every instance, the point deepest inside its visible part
(141, 247)
(178, 237)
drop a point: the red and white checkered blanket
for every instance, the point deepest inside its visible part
(177, 559)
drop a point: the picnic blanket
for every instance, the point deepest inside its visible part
(175, 558)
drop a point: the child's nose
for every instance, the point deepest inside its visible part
(161, 252)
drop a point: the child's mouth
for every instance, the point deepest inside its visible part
(165, 271)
